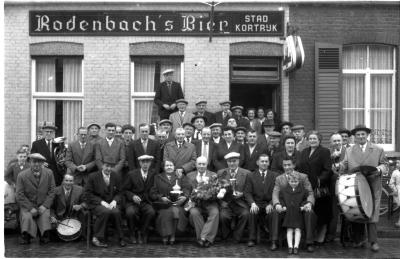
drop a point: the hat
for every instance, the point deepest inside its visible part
(188, 124)
(268, 123)
(297, 127)
(200, 102)
(37, 156)
(275, 134)
(237, 107)
(360, 127)
(232, 155)
(181, 101)
(344, 130)
(199, 117)
(145, 157)
(284, 123)
(225, 102)
(49, 125)
(215, 125)
(94, 124)
(165, 121)
(168, 71)
(240, 129)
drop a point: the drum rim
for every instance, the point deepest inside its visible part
(71, 237)
(358, 197)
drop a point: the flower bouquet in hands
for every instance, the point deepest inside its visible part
(206, 190)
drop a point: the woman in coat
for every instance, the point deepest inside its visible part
(315, 161)
(170, 212)
(289, 152)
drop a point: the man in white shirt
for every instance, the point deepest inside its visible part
(205, 147)
(199, 122)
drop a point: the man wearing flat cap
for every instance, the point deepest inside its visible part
(94, 131)
(267, 127)
(225, 114)
(227, 146)
(139, 210)
(365, 153)
(166, 94)
(238, 115)
(166, 126)
(199, 123)
(201, 107)
(45, 147)
(189, 131)
(286, 128)
(216, 131)
(35, 194)
(233, 204)
(240, 135)
(181, 116)
(301, 141)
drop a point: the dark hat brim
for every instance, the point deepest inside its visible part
(198, 117)
(355, 130)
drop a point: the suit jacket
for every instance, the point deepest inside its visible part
(164, 97)
(251, 159)
(60, 201)
(135, 185)
(40, 146)
(12, 172)
(243, 122)
(303, 144)
(256, 125)
(30, 193)
(75, 156)
(114, 154)
(97, 191)
(209, 116)
(219, 118)
(277, 159)
(260, 190)
(317, 167)
(176, 119)
(184, 157)
(162, 186)
(211, 150)
(281, 182)
(135, 150)
(222, 149)
(241, 180)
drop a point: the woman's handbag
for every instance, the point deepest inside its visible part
(321, 192)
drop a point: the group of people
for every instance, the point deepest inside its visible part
(269, 176)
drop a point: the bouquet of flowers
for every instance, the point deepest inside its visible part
(206, 190)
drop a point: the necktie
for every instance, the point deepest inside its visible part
(82, 146)
(67, 194)
(205, 150)
(223, 115)
(181, 117)
(233, 174)
(144, 177)
(362, 148)
(107, 180)
(263, 176)
(179, 145)
(188, 140)
(144, 146)
(169, 88)
(49, 145)
(197, 134)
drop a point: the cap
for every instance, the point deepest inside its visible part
(188, 124)
(145, 157)
(200, 102)
(199, 117)
(344, 130)
(168, 71)
(237, 107)
(240, 129)
(288, 123)
(49, 125)
(215, 125)
(232, 155)
(225, 102)
(268, 123)
(37, 156)
(165, 121)
(360, 127)
(181, 101)
(94, 124)
(275, 134)
(297, 127)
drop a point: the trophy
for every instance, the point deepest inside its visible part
(233, 184)
(176, 192)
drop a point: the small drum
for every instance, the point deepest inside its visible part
(69, 229)
(355, 197)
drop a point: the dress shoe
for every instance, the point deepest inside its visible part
(274, 246)
(359, 244)
(200, 243)
(25, 239)
(375, 247)
(98, 243)
(290, 250)
(44, 240)
(122, 242)
(310, 248)
(207, 244)
(250, 243)
(296, 250)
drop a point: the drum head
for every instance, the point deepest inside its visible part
(364, 195)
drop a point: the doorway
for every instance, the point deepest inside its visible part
(255, 95)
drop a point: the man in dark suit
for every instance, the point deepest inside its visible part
(110, 150)
(166, 125)
(216, 131)
(11, 174)
(69, 202)
(252, 150)
(225, 147)
(206, 148)
(103, 194)
(240, 135)
(139, 211)
(201, 111)
(166, 95)
(80, 158)
(45, 147)
(225, 114)
(144, 146)
(301, 141)
(199, 123)
(189, 130)
(234, 203)
(258, 194)
(238, 115)
(94, 130)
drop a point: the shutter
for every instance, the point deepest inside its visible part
(328, 89)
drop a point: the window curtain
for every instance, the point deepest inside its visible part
(355, 57)
(353, 100)
(143, 111)
(175, 65)
(45, 111)
(72, 118)
(144, 76)
(72, 75)
(45, 75)
(380, 57)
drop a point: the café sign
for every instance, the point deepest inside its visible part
(135, 23)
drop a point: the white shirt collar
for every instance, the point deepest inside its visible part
(105, 176)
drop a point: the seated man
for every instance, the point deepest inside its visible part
(278, 214)
(103, 194)
(69, 202)
(233, 204)
(205, 230)
(258, 194)
(35, 194)
(139, 211)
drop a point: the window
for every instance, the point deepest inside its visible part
(369, 90)
(146, 77)
(57, 92)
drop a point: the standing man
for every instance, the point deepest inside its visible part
(301, 141)
(268, 126)
(227, 146)
(205, 230)
(45, 147)
(364, 153)
(181, 116)
(216, 131)
(166, 125)
(225, 114)
(166, 94)
(139, 211)
(14, 169)
(238, 115)
(234, 204)
(201, 107)
(94, 131)
(189, 131)
(35, 194)
(110, 150)
(80, 158)
(206, 148)
(199, 123)
(252, 150)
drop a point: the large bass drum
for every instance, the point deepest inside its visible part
(355, 197)
(69, 229)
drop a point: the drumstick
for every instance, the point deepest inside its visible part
(59, 222)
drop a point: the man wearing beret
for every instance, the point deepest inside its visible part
(216, 131)
(225, 114)
(201, 107)
(166, 126)
(35, 194)
(181, 116)
(238, 115)
(166, 94)
(94, 130)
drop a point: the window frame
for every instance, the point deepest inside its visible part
(51, 96)
(367, 72)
